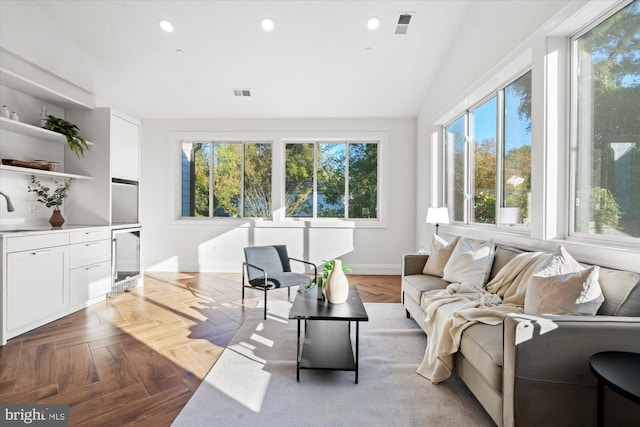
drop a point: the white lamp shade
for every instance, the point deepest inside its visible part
(437, 216)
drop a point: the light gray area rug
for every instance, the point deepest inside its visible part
(253, 383)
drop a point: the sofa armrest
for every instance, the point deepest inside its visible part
(546, 365)
(413, 264)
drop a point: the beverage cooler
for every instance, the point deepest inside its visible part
(126, 259)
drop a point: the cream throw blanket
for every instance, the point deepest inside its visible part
(452, 310)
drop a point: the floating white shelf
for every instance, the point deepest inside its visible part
(34, 131)
(29, 171)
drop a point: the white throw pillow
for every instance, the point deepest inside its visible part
(469, 265)
(567, 293)
(560, 262)
(440, 254)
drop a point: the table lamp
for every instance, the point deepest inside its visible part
(437, 216)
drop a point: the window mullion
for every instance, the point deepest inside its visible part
(499, 156)
(346, 181)
(211, 175)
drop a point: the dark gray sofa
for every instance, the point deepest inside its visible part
(534, 370)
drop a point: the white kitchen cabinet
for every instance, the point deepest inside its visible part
(89, 282)
(125, 148)
(37, 287)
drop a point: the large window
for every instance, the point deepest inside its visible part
(331, 180)
(488, 159)
(226, 179)
(607, 127)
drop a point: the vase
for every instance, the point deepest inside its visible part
(320, 291)
(56, 219)
(337, 284)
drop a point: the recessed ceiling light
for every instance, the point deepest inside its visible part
(373, 23)
(166, 25)
(267, 24)
(179, 51)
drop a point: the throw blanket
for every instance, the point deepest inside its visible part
(452, 310)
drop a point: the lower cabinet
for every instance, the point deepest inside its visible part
(90, 282)
(48, 276)
(37, 285)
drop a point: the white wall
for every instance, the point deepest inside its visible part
(216, 245)
(482, 60)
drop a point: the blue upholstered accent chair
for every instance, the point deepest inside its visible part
(269, 267)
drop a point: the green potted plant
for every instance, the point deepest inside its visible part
(327, 266)
(77, 144)
(54, 199)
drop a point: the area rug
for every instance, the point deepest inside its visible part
(253, 383)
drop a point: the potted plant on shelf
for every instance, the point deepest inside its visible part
(54, 199)
(77, 144)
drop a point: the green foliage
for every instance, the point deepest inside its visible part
(485, 208)
(54, 199)
(603, 209)
(76, 143)
(327, 266)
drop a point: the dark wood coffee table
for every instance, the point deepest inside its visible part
(327, 332)
(618, 370)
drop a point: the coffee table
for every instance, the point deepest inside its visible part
(327, 332)
(618, 370)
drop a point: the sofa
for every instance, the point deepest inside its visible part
(533, 370)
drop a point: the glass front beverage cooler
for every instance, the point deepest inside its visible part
(125, 256)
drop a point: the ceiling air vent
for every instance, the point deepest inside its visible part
(403, 23)
(242, 92)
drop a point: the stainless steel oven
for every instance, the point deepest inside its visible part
(125, 259)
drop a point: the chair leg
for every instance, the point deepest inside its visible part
(265, 302)
(242, 285)
(289, 293)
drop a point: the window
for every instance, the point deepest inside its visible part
(606, 127)
(488, 157)
(331, 180)
(226, 179)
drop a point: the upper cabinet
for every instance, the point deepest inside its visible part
(125, 148)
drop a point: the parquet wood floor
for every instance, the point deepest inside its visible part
(137, 358)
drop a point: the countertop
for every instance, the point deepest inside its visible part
(16, 231)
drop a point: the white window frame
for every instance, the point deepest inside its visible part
(468, 197)
(573, 135)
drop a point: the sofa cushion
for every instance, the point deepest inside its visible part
(569, 293)
(621, 290)
(440, 253)
(503, 255)
(481, 345)
(468, 264)
(414, 285)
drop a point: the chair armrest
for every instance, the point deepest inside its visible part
(546, 361)
(245, 265)
(315, 267)
(413, 264)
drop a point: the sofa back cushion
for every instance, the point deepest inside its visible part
(621, 290)
(502, 256)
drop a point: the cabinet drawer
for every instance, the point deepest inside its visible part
(89, 235)
(87, 283)
(82, 254)
(26, 243)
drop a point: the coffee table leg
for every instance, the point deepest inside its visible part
(357, 347)
(298, 355)
(600, 404)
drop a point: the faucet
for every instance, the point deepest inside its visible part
(10, 207)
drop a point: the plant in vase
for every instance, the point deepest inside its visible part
(327, 267)
(54, 199)
(76, 143)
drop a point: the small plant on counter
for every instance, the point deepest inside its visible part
(77, 144)
(48, 199)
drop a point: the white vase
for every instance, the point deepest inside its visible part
(337, 284)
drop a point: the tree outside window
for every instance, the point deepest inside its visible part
(226, 179)
(331, 180)
(607, 129)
